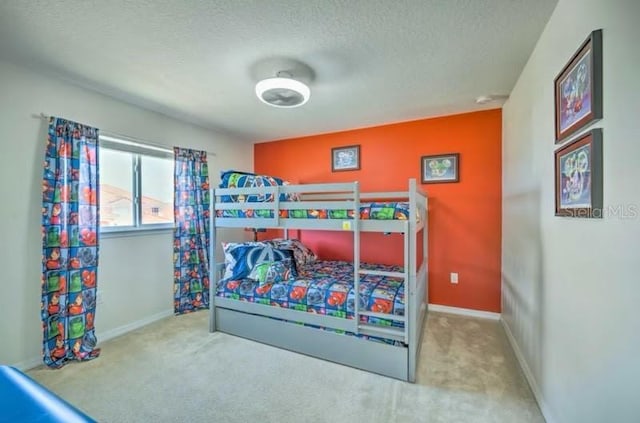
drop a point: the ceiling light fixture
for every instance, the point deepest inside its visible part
(283, 91)
(484, 99)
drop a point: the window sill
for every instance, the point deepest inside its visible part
(129, 232)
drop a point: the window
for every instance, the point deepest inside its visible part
(136, 186)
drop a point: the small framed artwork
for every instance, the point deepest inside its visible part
(578, 176)
(440, 168)
(578, 88)
(345, 158)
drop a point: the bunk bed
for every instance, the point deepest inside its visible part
(383, 340)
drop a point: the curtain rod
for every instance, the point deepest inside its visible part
(113, 136)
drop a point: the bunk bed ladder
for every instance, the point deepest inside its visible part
(390, 332)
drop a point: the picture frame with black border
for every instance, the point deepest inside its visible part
(578, 89)
(440, 168)
(345, 158)
(578, 177)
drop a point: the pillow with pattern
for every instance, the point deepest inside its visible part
(269, 272)
(302, 254)
(239, 179)
(230, 256)
(241, 258)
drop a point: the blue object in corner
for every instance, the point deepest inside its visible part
(22, 399)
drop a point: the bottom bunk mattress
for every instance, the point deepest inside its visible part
(326, 287)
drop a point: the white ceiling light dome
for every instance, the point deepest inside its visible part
(484, 99)
(283, 91)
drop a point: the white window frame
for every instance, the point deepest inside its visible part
(137, 149)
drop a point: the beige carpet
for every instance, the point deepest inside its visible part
(175, 371)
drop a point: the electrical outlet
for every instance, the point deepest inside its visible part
(454, 277)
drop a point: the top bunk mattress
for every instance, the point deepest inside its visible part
(234, 179)
(368, 211)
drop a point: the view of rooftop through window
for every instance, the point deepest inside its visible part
(119, 184)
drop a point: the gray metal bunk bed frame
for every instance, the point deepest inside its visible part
(247, 319)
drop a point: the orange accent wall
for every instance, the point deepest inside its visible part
(464, 217)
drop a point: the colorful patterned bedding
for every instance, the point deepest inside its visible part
(368, 211)
(326, 287)
(236, 179)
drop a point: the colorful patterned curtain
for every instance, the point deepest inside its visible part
(69, 242)
(191, 234)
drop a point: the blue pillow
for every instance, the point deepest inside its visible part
(242, 258)
(238, 179)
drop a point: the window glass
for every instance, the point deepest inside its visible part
(136, 186)
(157, 190)
(116, 188)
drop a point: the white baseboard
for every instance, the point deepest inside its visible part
(464, 311)
(103, 336)
(544, 409)
(28, 364)
(115, 332)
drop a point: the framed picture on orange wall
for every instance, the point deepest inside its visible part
(345, 158)
(440, 168)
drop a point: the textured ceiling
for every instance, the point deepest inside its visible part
(373, 61)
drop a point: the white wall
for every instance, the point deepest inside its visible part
(135, 273)
(571, 290)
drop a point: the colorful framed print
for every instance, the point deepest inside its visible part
(578, 88)
(578, 176)
(345, 158)
(440, 168)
